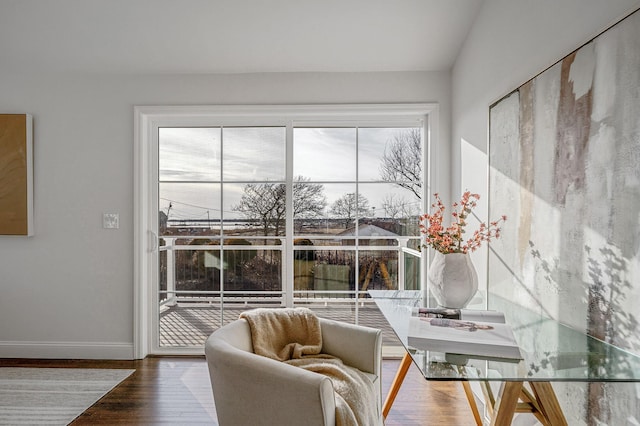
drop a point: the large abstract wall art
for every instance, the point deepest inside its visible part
(564, 164)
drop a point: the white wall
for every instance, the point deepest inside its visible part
(67, 292)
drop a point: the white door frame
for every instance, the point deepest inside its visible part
(147, 120)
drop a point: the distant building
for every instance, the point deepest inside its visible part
(369, 230)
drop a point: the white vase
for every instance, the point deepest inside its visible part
(453, 280)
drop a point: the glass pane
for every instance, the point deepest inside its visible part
(222, 222)
(196, 270)
(414, 244)
(411, 272)
(325, 154)
(393, 207)
(189, 154)
(162, 271)
(334, 273)
(234, 307)
(304, 261)
(309, 206)
(188, 325)
(185, 266)
(339, 214)
(248, 270)
(189, 208)
(392, 155)
(318, 242)
(255, 209)
(343, 310)
(241, 240)
(378, 270)
(372, 235)
(253, 153)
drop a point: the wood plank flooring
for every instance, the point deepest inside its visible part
(177, 391)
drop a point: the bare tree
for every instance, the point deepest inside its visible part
(308, 199)
(402, 161)
(266, 202)
(392, 208)
(260, 202)
(348, 207)
(397, 207)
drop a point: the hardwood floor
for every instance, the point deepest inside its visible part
(176, 391)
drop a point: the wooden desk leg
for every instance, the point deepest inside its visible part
(397, 382)
(506, 403)
(548, 402)
(472, 403)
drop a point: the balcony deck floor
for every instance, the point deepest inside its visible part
(189, 324)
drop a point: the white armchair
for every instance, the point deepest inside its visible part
(250, 389)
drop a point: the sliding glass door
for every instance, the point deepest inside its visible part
(291, 211)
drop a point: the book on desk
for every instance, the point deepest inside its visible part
(459, 314)
(484, 339)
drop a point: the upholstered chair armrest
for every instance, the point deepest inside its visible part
(250, 389)
(357, 346)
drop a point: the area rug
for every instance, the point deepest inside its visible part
(52, 396)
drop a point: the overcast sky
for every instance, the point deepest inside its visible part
(324, 155)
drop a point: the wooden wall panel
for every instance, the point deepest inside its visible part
(16, 183)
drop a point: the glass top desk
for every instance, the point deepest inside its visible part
(551, 351)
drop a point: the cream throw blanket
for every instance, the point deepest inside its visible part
(294, 336)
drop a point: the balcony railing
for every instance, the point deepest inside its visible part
(205, 285)
(254, 273)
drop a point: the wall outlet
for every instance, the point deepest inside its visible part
(111, 220)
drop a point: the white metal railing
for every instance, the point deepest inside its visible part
(172, 295)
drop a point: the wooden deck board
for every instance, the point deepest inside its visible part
(189, 325)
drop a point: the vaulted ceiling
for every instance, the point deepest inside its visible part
(232, 36)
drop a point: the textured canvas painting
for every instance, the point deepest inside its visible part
(564, 157)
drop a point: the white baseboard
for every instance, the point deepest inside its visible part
(66, 350)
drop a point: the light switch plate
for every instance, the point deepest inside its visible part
(111, 220)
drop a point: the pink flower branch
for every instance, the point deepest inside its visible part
(450, 239)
